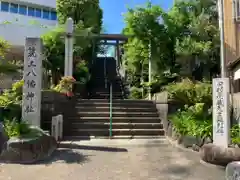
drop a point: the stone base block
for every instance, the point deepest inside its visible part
(3, 138)
(28, 149)
(217, 155)
(233, 171)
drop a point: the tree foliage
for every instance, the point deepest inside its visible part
(186, 35)
(6, 67)
(4, 47)
(87, 12)
(87, 17)
(196, 27)
(145, 26)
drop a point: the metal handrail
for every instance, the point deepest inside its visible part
(110, 110)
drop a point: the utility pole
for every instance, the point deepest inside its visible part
(222, 38)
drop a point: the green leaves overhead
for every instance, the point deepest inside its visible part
(86, 12)
(4, 47)
(87, 17)
(196, 27)
(187, 33)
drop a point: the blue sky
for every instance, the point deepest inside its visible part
(113, 9)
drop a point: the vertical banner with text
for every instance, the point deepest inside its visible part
(221, 112)
(31, 107)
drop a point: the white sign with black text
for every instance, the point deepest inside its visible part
(221, 112)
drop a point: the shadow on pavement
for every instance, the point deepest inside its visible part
(177, 169)
(92, 148)
(66, 156)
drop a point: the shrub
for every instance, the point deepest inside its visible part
(189, 93)
(65, 85)
(14, 128)
(235, 134)
(193, 121)
(81, 72)
(11, 101)
(135, 93)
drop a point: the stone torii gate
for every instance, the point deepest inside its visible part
(116, 40)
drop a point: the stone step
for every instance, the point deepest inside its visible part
(102, 86)
(77, 138)
(106, 97)
(105, 108)
(114, 104)
(121, 101)
(106, 125)
(114, 119)
(101, 83)
(106, 92)
(70, 138)
(117, 132)
(116, 114)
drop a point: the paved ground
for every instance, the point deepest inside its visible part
(121, 160)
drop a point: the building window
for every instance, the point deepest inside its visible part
(38, 13)
(53, 15)
(236, 10)
(14, 8)
(22, 10)
(46, 14)
(31, 11)
(5, 6)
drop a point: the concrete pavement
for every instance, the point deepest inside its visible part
(116, 160)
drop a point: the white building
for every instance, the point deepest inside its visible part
(22, 18)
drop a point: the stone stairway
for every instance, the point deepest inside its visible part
(130, 118)
(103, 73)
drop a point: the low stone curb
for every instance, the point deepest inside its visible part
(179, 146)
(211, 165)
(175, 144)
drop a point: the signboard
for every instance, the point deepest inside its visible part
(221, 111)
(32, 76)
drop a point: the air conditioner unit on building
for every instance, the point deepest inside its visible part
(236, 11)
(57, 127)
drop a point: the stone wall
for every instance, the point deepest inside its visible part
(165, 107)
(235, 98)
(53, 104)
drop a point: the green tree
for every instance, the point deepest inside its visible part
(54, 49)
(186, 36)
(87, 16)
(6, 67)
(194, 24)
(87, 12)
(145, 25)
(4, 47)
